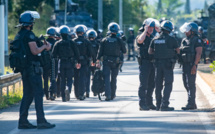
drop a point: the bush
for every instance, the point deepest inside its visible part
(212, 65)
(11, 99)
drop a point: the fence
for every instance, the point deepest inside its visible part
(9, 80)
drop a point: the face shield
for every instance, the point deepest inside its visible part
(185, 28)
(153, 22)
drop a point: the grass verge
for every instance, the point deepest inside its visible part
(12, 98)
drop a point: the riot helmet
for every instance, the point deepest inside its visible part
(113, 27)
(27, 18)
(51, 31)
(167, 25)
(150, 22)
(64, 29)
(191, 26)
(80, 29)
(91, 34)
(200, 28)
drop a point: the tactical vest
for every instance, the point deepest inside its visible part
(161, 49)
(112, 47)
(143, 49)
(65, 49)
(95, 47)
(82, 46)
(187, 50)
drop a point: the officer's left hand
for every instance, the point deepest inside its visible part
(193, 70)
(78, 66)
(93, 64)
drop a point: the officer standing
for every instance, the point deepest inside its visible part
(31, 75)
(50, 32)
(204, 38)
(91, 35)
(147, 70)
(67, 52)
(86, 53)
(110, 50)
(163, 47)
(121, 35)
(191, 49)
(130, 43)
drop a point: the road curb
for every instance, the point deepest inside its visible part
(206, 90)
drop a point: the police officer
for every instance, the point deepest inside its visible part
(99, 35)
(130, 43)
(110, 51)
(147, 70)
(163, 47)
(72, 35)
(191, 49)
(51, 32)
(86, 53)
(91, 35)
(204, 38)
(31, 75)
(121, 35)
(67, 52)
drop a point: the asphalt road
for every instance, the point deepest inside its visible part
(119, 116)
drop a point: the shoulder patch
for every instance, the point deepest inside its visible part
(32, 36)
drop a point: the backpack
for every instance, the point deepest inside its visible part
(98, 83)
(18, 55)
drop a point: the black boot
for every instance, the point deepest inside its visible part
(189, 107)
(26, 126)
(152, 107)
(166, 108)
(144, 108)
(45, 125)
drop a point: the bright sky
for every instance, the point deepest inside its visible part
(195, 4)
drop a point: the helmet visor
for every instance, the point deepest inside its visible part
(34, 14)
(185, 28)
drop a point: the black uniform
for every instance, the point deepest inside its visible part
(164, 53)
(67, 52)
(188, 46)
(202, 36)
(91, 70)
(147, 74)
(32, 82)
(80, 78)
(110, 50)
(130, 43)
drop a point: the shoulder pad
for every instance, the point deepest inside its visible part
(32, 36)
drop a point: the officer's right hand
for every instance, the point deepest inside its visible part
(78, 65)
(98, 64)
(146, 27)
(48, 46)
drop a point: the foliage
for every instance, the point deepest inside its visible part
(11, 99)
(212, 65)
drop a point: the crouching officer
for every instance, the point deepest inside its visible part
(163, 47)
(147, 70)
(91, 35)
(110, 50)
(51, 32)
(86, 53)
(191, 49)
(67, 52)
(31, 75)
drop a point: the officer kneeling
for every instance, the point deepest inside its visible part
(31, 71)
(164, 47)
(110, 50)
(67, 52)
(191, 49)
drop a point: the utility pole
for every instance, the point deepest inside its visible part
(120, 14)
(57, 5)
(100, 14)
(65, 12)
(6, 27)
(187, 7)
(2, 38)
